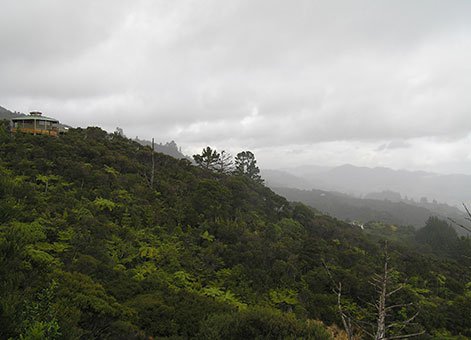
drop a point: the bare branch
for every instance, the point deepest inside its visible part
(404, 323)
(328, 271)
(467, 210)
(459, 224)
(398, 306)
(358, 323)
(346, 319)
(374, 305)
(395, 290)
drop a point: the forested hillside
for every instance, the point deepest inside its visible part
(365, 210)
(92, 248)
(360, 181)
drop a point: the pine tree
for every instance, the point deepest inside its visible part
(208, 159)
(246, 165)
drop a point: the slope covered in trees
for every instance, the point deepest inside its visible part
(365, 210)
(91, 249)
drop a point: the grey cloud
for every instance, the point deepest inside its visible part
(255, 74)
(395, 144)
(39, 30)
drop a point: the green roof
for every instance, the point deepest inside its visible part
(35, 117)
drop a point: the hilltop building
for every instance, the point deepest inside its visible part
(37, 124)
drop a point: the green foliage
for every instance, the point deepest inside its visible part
(246, 165)
(104, 204)
(40, 319)
(88, 250)
(439, 235)
(260, 323)
(284, 297)
(208, 159)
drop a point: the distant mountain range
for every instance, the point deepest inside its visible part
(358, 193)
(7, 114)
(361, 181)
(170, 148)
(362, 210)
(380, 194)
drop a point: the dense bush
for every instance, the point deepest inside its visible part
(91, 249)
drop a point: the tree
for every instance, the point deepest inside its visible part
(246, 165)
(385, 289)
(208, 159)
(225, 164)
(439, 235)
(347, 320)
(467, 228)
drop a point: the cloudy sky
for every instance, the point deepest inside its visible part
(367, 82)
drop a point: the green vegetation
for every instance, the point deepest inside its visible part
(90, 250)
(208, 159)
(346, 207)
(244, 163)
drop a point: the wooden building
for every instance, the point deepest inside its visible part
(36, 124)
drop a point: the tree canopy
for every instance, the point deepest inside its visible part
(246, 165)
(208, 159)
(88, 250)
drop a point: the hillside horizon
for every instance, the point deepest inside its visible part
(358, 181)
(452, 189)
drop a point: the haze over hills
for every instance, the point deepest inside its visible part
(339, 191)
(283, 179)
(169, 148)
(109, 229)
(357, 181)
(360, 181)
(364, 210)
(7, 114)
(363, 194)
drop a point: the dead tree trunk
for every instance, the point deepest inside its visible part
(385, 288)
(152, 174)
(382, 282)
(466, 218)
(346, 319)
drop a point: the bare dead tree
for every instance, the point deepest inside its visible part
(153, 165)
(385, 289)
(468, 218)
(150, 179)
(382, 283)
(344, 316)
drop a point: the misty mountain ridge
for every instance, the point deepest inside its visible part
(357, 181)
(7, 114)
(284, 179)
(169, 148)
(364, 200)
(364, 210)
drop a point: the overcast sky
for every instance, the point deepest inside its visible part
(371, 83)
